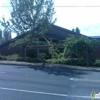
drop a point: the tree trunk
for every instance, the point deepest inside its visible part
(38, 53)
(39, 57)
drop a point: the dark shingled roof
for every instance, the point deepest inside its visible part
(54, 32)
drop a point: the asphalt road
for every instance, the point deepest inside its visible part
(37, 83)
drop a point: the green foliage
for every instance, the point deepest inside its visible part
(97, 62)
(33, 60)
(36, 60)
(6, 35)
(2, 57)
(77, 46)
(31, 53)
(74, 46)
(43, 55)
(16, 57)
(68, 61)
(77, 30)
(35, 16)
(53, 49)
(22, 42)
(19, 59)
(28, 59)
(13, 57)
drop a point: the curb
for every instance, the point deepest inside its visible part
(19, 63)
(50, 65)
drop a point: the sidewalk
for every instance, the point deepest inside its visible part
(50, 65)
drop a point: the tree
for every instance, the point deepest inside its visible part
(32, 16)
(7, 35)
(73, 30)
(81, 46)
(0, 36)
(77, 30)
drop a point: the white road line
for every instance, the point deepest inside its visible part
(77, 96)
(43, 93)
(87, 80)
(2, 72)
(84, 80)
(72, 79)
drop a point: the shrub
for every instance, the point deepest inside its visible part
(72, 61)
(28, 59)
(4, 58)
(0, 57)
(97, 62)
(36, 60)
(43, 55)
(62, 61)
(69, 61)
(53, 61)
(12, 57)
(20, 59)
(57, 61)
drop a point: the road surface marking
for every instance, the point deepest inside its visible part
(87, 80)
(2, 72)
(43, 93)
(72, 79)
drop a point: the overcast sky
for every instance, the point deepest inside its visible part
(86, 18)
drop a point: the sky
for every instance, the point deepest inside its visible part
(71, 14)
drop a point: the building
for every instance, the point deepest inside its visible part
(56, 33)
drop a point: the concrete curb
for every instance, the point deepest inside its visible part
(84, 68)
(19, 63)
(50, 65)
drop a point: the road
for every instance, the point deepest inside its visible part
(36, 83)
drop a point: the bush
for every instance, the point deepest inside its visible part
(57, 61)
(53, 61)
(69, 61)
(36, 60)
(4, 58)
(43, 55)
(28, 59)
(12, 57)
(72, 61)
(97, 62)
(0, 57)
(20, 59)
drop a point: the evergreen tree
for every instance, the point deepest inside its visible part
(1, 36)
(7, 35)
(77, 30)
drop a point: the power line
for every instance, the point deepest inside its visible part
(63, 6)
(76, 6)
(5, 6)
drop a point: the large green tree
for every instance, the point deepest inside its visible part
(79, 46)
(29, 15)
(34, 17)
